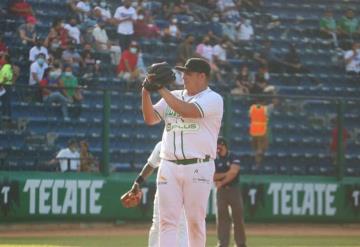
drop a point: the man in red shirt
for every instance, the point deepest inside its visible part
(128, 69)
(3, 46)
(145, 27)
(20, 8)
(335, 141)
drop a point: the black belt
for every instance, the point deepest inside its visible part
(191, 161)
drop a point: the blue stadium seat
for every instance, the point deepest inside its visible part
(300, 129)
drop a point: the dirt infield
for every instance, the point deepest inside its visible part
(41, 230)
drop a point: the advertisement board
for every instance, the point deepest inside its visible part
(30, 196)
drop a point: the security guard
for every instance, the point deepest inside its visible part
(259, 121)
(227, 168)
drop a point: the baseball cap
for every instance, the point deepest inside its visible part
(222, 141)
(198, 65)
(31, 19)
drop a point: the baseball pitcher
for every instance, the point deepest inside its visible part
(192, 119)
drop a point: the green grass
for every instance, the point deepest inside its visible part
(139, 241)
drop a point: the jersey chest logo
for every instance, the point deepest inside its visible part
(186, 127)
(170, 113)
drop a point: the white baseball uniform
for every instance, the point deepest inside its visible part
(154, 161)
(192, 140)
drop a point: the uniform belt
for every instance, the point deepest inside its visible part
(191, 161)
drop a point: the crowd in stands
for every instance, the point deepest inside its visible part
(78, 38)
(76, 157)
(111, 38)
(71, 51)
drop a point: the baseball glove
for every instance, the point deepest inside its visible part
(158, 76)
(131, 199)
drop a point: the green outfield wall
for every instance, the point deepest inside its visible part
(30, 196)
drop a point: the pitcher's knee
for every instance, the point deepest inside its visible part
(166, 225)
(196, 227)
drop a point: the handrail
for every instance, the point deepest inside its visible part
(120, 88)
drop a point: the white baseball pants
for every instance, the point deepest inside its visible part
(154, 230)
(188, 187)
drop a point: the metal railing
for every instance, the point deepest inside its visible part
(112, 123)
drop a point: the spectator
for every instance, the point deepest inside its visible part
(73, 30)
(72, 5)
(229, 10)
(27, 31)
(268, 58)
(141, 66)
(152, 29)
(348, 28)
(259, 116)
(6, 82)
(50, 90)
(91, 65)
(335, 140)
(57, 39)
(102, 11)
(127, 68)
(186, 49)
(139, 4)
(68, 158)
(229, 31)
(88, 162)
(83, 9)
(166, 10)
(103, 44)
(70, 86)
(37, 49)
(220, 55)
(20, 8)
(37, 69)
(181, 7)
(87, 35)
(125, 16)
(206, 51)
(145, 27)
(245, 30)
(243, 82)
(352, 60)
(215, 28)
(291, 62)
(3, 47)
(172, 33)
(328, 27)
(262, 73)
(55, 73)
(179, 80)
(260, 86)
(72, 57)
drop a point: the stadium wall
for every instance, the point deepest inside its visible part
(39, 196)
